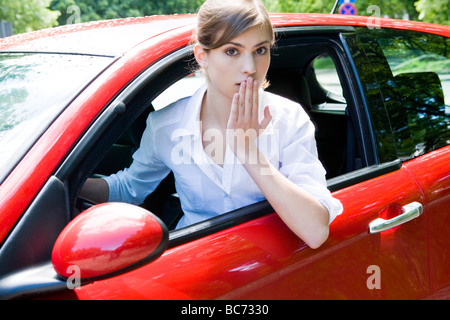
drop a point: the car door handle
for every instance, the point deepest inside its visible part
(410, 212)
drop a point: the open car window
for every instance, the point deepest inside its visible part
(327, 75)
(301, 61)
(182, 88)
(328, 81)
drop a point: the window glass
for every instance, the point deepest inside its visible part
(416, 53)
(34, 89)
(326, 74)
(186, 87)
(332, 98)
(411, 70)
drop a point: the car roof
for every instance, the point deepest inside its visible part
(317, 19)
(115, 37)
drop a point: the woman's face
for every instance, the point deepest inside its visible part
(247, 55)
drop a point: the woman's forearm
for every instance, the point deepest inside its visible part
(301, 212)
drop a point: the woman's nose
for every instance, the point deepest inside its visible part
(249, 65)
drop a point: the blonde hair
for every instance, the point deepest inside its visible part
(220, 21)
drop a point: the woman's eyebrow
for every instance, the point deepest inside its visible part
(262, 43)
(242, 46)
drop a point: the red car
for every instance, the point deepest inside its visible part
(73, 104)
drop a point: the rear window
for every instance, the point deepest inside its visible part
(411, 70)
(34, 89)
(420, 65)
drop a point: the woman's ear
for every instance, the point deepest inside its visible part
(201, 56)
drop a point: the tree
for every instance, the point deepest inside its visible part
(434, 11)
(392, 8)
(300, 6)
(28, 15)
(169, 6)
(91, 10)
(73, 11)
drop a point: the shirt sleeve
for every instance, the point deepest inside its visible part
(299, 163)
(134, 184)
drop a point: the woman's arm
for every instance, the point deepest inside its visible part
(301, 212)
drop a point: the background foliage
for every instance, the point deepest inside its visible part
(110, 9)
(28, 15)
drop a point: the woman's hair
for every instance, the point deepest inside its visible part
(220, 21)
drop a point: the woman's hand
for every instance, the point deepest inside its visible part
(311, 222)
(244, 126)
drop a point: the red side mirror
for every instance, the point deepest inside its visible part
(107, 240)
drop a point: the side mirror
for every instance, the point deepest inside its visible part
(107, 240)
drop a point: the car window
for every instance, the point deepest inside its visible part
(412, 72)
(416, 53)
(326, 74)
(34, 89)
(124, 133)
(185, 87)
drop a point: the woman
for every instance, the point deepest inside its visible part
(231, 144)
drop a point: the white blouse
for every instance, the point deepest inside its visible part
(172, 141)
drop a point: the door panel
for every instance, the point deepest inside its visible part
(433, 174)
(262, 259)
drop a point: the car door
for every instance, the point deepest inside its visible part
(251, 254)
(262, 259)
(416, 90)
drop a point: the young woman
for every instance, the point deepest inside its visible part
(231, 144)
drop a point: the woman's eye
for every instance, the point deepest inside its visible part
(231, 52)
(261, 51)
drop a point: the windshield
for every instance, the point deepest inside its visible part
(34, 89)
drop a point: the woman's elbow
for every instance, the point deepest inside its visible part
(316, 239)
